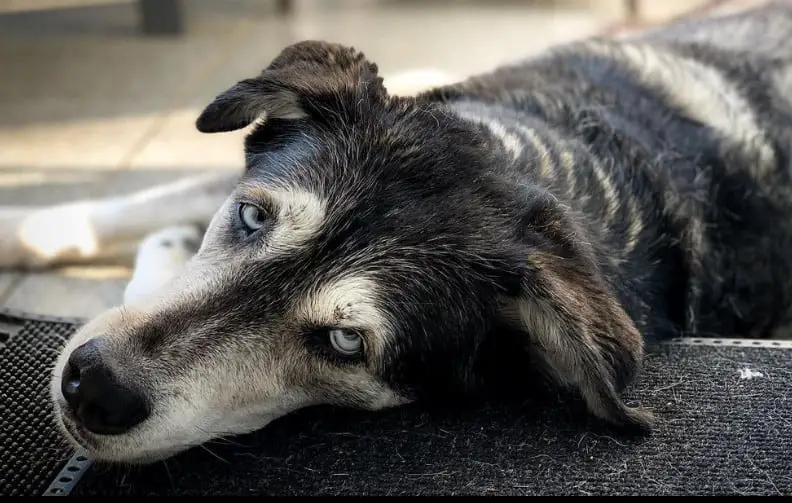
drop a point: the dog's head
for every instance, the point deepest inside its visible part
(363, 260)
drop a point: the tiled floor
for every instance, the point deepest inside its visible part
(89, 108)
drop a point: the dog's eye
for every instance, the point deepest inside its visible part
(252, 217)
(346, 342)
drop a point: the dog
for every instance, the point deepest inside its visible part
(564, 212)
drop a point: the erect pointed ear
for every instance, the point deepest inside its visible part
(574, 323)
(308, 78)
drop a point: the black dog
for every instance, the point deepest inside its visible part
(572, 207)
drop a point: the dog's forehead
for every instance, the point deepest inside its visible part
(380, 144)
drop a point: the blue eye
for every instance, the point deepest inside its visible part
(346, 342)
(252, 217)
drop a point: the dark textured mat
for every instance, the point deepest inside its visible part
(31, 450)
(721, 433)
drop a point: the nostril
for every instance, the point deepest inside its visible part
(110, 409)
(70, 383)
(96, 397)
(84, 357)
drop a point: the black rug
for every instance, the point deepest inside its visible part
(725, 429)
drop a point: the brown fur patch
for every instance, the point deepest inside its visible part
(574, 321)
(583, 335)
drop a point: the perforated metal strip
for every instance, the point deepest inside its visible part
(753, 343)
(69, 476)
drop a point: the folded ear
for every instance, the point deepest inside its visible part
(573, 322)
(308, 78)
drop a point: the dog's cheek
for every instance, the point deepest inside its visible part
(354, 388)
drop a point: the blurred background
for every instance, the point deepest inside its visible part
(99, 97)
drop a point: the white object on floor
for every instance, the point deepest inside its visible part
(418, 80)
(749, 374)
(160, 257)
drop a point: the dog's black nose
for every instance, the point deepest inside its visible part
(99, 401)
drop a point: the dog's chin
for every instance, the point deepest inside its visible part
(130, 449)
(141, 459)
(106, 448)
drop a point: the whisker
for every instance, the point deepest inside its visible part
(168, 473)
(202, 446)
(55, 351)
(226, 441)
(220, 437)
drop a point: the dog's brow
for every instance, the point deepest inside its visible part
(350, 302)
(298, 213)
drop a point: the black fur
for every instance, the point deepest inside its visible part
(452, 224)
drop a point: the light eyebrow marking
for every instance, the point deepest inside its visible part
(299, 214)
(350, 302)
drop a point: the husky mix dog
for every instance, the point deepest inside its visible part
(562, 212)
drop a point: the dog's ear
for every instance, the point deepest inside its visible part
(573, 322)
(308, 78)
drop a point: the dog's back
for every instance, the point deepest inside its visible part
(676, 147)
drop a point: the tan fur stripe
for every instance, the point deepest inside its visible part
(608, 190)
(510, 141)
(545, 161)
(698, 90)
(636, 224)
(568, 164)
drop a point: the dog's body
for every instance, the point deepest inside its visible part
(572, 207)
(673, 151)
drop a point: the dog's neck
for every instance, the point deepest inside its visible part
(526, 149)
(529, 150)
